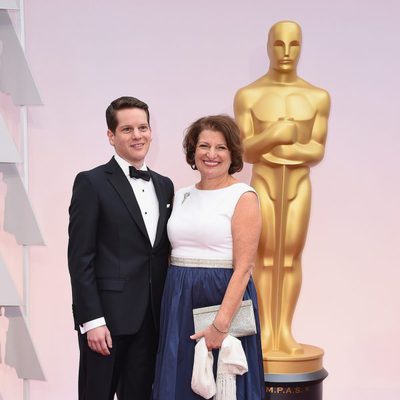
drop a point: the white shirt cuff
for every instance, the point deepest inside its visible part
(94, 323)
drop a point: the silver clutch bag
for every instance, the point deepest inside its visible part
(243, 323)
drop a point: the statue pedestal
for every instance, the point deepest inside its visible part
(294, 377)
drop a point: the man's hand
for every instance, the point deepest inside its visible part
(99, 340)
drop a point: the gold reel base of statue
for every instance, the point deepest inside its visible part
(279, 362)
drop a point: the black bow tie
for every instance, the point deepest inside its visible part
(139, 174)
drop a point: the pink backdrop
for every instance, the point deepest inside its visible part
(187, 59)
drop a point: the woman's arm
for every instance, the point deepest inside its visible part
(246, 228)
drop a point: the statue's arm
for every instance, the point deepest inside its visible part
(255, 145)
(312, 152)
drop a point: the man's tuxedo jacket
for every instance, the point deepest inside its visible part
(115, 271)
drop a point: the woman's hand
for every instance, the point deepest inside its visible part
(212, 336)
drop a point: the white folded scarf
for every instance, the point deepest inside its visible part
(231, 362)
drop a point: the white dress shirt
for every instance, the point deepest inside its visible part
(146, 197)
(148, 203)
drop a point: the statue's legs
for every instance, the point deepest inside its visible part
(285, 196)
(298, 214)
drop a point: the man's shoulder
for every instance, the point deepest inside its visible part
(100, 169)
(159, 176)
(94, 175)
(163, 179)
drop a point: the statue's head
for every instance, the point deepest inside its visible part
(284, 43)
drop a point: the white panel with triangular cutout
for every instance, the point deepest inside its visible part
(15, 76)
(19, 218)
(8, 293)
(9, 5)
(20, 352)
(8, 151)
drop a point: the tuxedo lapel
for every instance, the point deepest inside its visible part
(162, 206)
(119, 181)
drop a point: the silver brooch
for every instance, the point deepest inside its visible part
(185, 196)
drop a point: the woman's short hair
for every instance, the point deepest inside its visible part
(221, 123)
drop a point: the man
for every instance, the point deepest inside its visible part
(118, 253)
(283, 120)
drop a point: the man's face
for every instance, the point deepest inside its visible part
(284, 46)
(132, 135)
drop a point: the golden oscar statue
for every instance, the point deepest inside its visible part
(283, 120)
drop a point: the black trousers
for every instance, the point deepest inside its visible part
(127, 371)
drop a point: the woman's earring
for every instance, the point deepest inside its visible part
(193, 166)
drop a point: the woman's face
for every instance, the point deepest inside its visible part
(212, 156)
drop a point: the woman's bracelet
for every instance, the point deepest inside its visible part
(218, 330)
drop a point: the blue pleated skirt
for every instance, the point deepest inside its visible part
(187, 288)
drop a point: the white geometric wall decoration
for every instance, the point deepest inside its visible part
(15, 77)
(21, 353)
(9, 5)
(8, 151)
(19, 219)
(8, 293)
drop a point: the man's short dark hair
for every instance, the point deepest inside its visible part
(220, 123)
(120, 104)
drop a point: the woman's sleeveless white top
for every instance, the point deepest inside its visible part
(200, 223)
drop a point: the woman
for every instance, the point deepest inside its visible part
(214, 231)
